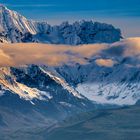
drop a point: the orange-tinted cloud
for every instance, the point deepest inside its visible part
(21, 54)
(105, 62)
(33, 53)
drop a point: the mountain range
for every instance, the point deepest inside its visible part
(16, 28)
(40, 95)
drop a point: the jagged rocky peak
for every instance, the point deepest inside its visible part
(86, 32)
(11, 19)
(13, 25)
(80, 32)
(16, 28)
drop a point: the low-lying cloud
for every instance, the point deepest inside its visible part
(54, 55)
(105, 62)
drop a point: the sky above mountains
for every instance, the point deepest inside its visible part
(124, 14)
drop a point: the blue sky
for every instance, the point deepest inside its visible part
(124, 14)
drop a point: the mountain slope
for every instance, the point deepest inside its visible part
(40, 89)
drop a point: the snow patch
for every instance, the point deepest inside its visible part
(114, 93)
